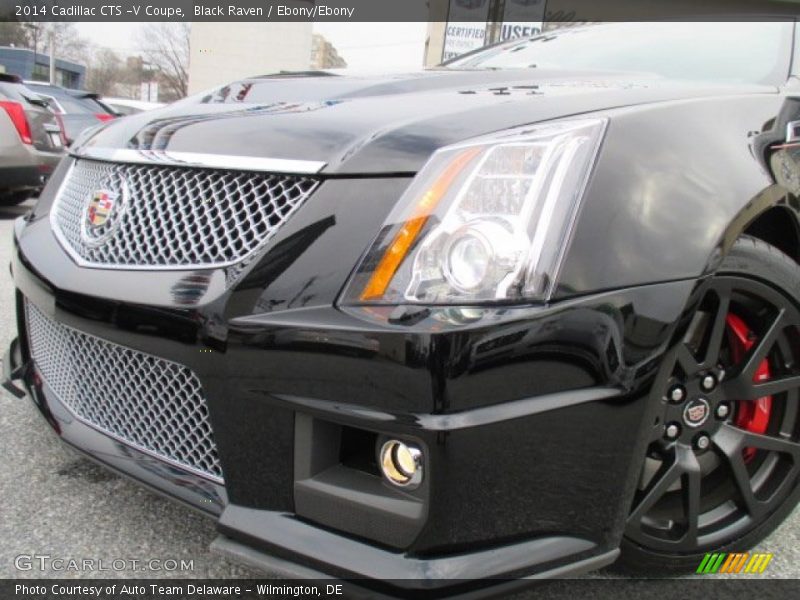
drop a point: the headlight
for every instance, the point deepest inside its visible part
(484, 220)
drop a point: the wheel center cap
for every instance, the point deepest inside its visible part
(696, 412)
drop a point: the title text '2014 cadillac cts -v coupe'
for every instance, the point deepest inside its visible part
(526, 314)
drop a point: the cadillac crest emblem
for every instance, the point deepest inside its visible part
(102, 214)
(100, 207)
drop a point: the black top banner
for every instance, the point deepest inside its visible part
(394, 10)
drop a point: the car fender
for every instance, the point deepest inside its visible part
(673, 186)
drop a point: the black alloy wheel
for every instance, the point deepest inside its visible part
(723, 460)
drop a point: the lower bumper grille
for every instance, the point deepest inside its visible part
(152, 404)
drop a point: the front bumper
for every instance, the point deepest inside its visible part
(532, 420)
(298, 549)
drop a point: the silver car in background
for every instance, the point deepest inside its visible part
(77, 110)
(31, 141)
(125, 106)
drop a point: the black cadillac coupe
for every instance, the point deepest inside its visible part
(526, 314)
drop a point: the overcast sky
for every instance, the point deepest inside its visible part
(363, 45)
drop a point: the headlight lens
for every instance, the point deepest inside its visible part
(485, 220)
(469, 260)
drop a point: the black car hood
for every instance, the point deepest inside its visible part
(386, 124)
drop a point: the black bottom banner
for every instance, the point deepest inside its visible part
(700, 588)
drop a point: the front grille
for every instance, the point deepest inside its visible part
(173, 217)
(152, 404)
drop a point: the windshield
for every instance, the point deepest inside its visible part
(753, 52)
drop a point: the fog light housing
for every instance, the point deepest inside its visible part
(401, 463)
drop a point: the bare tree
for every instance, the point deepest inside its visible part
(105, 72)
(130, 78)
(69, 43)
(165, 49)
(16, 34)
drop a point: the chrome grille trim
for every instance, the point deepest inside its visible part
(151, 404)
(176, 218)
(197, 159)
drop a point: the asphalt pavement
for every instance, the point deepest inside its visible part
(58, 504)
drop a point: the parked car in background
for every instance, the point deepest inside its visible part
(31, 141)
(77, 109)
(521, 315)
(126, 106)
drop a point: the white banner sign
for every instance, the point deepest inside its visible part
(510, 31)
(463, 37)
(522, 18)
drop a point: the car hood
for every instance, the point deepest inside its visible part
(360, 124)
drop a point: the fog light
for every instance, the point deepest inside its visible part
(401, 463)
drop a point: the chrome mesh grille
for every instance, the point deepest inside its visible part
(176, 217)
(147, 402)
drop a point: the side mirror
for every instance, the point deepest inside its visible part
(792, 132)
(780, 146)
(785, 165)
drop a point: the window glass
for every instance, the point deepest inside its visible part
(752, 52)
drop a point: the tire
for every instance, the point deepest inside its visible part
(691, 501)
(14, 198)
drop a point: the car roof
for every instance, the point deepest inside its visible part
(132, 103)
(15, 89)
(10, 78)
(46, 85)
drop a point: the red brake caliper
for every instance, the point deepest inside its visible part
(752, 416)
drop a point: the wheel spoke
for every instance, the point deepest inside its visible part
(745, 389)
(691, 482)
(686, 360)
(774, 386)
(762, 347)
(656, 432)
(771, 443)
(742, 385)
(731, 441)
(657, 487)
(718, 329)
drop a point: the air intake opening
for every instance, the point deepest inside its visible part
(357, 450)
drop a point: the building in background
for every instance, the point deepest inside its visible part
(36, 66)
(223, 52)
(473, 24)
(324, 54)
